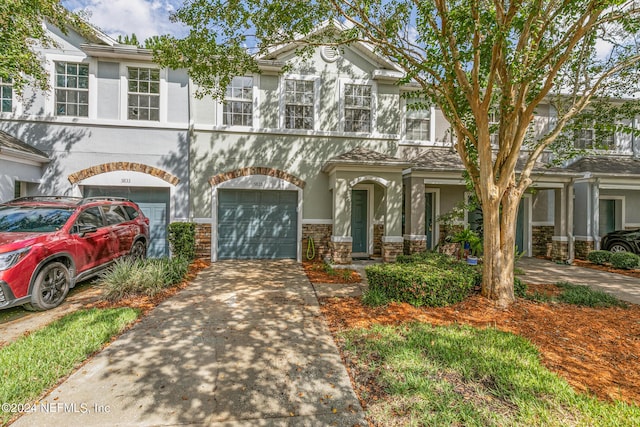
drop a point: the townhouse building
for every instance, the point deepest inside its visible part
(320, 150)
(113, 124)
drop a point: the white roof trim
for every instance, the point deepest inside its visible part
(360, 46)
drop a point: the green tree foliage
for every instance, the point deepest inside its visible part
(472, 58)
(129, 39)
(21, 29)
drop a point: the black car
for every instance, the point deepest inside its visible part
(622, 241)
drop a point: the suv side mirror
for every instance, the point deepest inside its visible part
(86, 229)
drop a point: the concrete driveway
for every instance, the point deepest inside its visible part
(542, 271)
(243, 345)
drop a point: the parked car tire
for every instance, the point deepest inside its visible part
(50, 288)
(138, 251)
(619, 247)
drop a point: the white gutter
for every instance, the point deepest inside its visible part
(19, 154)
(571, 248)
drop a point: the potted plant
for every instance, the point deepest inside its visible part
(471, 244)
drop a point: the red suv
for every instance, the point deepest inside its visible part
(48, 244)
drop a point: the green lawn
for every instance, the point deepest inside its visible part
(463, 376)
(36, 362)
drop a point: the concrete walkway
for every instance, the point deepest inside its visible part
(243, 345)
(542, 271)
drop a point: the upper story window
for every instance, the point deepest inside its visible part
(584, 138)
(6, 95)
(237, 109)
(589, 138)
(72, 89)
(299, 100)
(606, 140)
(357, 108)
(417, 123)
(144, 94)
(494, 123)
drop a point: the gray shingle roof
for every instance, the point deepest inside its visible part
(14, 144)
(447, 159)
(606, 165)
(444, 159)
(365, 157)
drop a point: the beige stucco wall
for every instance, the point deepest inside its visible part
(213, 153)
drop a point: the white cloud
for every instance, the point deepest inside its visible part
(145, 18)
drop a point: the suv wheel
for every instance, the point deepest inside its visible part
(138, 251)
(50, 288)
(619, 247)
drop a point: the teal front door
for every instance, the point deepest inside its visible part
(359, 221)
(520, 227)
(428, 214)
(607, 218)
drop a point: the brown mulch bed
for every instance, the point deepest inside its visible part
(316, 272)
(595, 350)
(607, 268)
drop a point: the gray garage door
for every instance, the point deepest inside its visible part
(257, 224)
(154, 203)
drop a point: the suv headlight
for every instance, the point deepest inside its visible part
(9, 259)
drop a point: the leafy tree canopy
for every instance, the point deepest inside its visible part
(21, 29)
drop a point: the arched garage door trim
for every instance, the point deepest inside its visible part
(83, 174)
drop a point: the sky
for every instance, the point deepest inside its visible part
(145, 18)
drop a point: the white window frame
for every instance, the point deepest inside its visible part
(599, 145)
(403, 125)
(373, 107)
(283, 102)
(124, 92)
(254, 104)
(78, 90)
(579, 136)
(3, 85)
(494, 120)
(147, 94)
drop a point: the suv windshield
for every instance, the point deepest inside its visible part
(33, 219)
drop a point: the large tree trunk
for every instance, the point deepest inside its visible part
(499, 248)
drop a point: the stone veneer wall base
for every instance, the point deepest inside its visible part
(560, 251)
(341, 252)
(203, 241)
(321, 235)
(412, 246)
(582, 248)
(391, 250)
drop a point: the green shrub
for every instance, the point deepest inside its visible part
(584, 296)
(423, 284)
(142, 277)
(432, 258)
(374, 297)
(519, 288)
(625, 260)
(182, 239)
(599, 257)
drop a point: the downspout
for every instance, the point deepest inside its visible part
(570, 238)
(634, 141)
(190, 136)
(595, 229)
